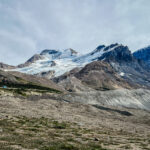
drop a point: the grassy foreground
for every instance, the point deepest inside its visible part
(47, 134)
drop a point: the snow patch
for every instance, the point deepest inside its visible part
(121, 73)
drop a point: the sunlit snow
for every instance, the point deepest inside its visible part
(64, 60)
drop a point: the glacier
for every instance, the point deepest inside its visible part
(65, 60)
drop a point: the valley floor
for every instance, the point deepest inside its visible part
(47, 124)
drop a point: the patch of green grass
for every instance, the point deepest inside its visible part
(21, 88)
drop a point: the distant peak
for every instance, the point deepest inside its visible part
(111, 46)
(143, 54)
(104, 48)
(100, 46)
(73, 52)
(35, 58)
(147, 48)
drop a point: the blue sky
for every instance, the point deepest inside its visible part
(29, 26)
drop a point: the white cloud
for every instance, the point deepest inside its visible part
(28, 26)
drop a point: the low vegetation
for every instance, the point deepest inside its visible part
(48, 134)
(22, 89)
(44, 134)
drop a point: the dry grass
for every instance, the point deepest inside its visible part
(47, 124)
(45, 134)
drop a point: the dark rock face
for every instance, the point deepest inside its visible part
(100, 46)
(119, 54)
(47, 51)
(121, 59)
(143, 54)
(110, 46)
(53, 64)
(98, 49)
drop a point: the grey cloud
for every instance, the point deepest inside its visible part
(28, 26)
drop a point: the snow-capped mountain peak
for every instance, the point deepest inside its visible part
(61, 61)
(58, 61)
(58, 54)
(96, 54)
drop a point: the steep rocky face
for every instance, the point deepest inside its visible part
(97, 75)
(143, 54)
(112, 53)
(123, 62)
(119, 54)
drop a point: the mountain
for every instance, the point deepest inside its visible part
(54, 63)
(57, 61)
(5, 66)
(143, 54)
(109, 67)
(76, 101)
(97, 75)
(129, 67)
(100, 51)
(61, 61)
(112, 53)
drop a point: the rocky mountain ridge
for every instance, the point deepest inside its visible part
(92, 78)
(61, 61)
(124, 66)
(143, 54)
(113, 67)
